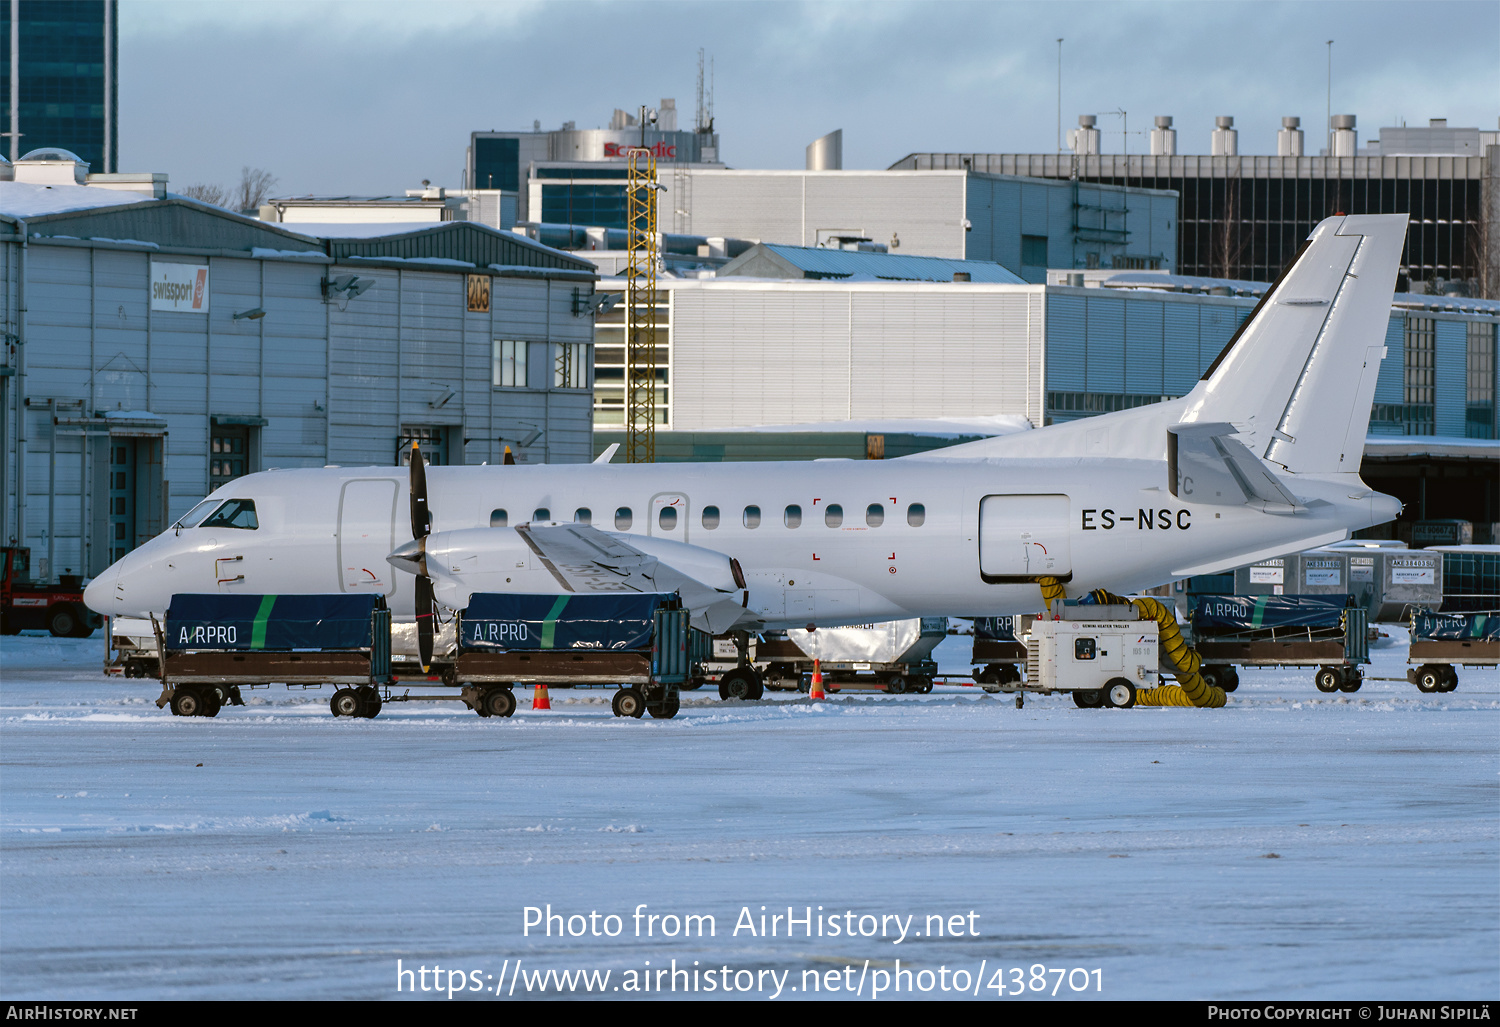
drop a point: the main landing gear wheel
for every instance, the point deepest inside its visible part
(1327, 679)
(741, 683)
(628, 702)
(346, 702)
(1118, 694)
(498, 702)
(1087, 698)
(666, 709)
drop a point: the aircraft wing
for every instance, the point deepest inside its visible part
(584, 559)
(1208, 465)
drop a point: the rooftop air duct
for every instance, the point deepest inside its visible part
(826, 153)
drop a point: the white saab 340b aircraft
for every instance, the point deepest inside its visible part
(1260, 459)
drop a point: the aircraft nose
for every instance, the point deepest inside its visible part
(101, 593)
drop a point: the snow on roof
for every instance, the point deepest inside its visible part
(356, 229)
(846, 264)
(30, 200)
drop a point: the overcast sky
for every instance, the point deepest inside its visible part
(373, 97)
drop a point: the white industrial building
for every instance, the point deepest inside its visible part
(157, 348)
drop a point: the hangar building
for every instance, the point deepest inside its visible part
(155, 349)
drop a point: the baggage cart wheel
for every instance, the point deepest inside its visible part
(1087, 698)
(369, 702)
(1450, 678)
(665, 709)
(740, 683)
(186, 702)
(497, 702)
(1231, 679)
(1351, 681)
(1327, 679)
(211, 703)
(896, 685)
(1118, 694)
(1430, 678)
(925, 687)
(345, 703)
(628, 702)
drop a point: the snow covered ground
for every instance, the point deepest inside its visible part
(1293, 845)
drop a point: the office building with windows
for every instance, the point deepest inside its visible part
(59, 79)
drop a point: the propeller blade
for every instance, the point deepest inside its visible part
(425, 611)
(421, 519)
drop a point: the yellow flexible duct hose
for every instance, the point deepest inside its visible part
(1051, 589)
(1191, 689)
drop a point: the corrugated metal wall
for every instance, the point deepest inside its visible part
(809, 353)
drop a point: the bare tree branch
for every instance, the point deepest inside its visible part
(255, 183)
(215, 194)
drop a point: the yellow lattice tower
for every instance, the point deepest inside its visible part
(640, 309)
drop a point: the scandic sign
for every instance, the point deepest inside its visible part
(181, 287)
(659, 150)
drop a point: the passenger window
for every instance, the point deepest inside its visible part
(1083, 648)
(667, 519)
(916, 514)
(583, 515)
(710, 517)
(834, 515)
(499, 519)
(793, 516)
(237, 513)
(752, 516)
(541, 513)
(875, 515)
(623, 519)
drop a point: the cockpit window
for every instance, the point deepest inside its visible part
(236, 513)
(197, 513)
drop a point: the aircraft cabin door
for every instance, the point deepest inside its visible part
(669, 516)
(1022, 538)
(367, 534)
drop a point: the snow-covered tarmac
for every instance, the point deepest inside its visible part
(1293, 845)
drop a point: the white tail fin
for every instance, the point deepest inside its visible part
(1298, 379)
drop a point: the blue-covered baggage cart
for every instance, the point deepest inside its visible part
(212, 644)
(1442, 642)
(1323, 631)
(999, 654)
(641, 642)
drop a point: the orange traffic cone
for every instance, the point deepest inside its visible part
(817, 682)
(539, 700)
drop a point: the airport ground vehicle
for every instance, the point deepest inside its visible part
(213, 645)
(1102, 654)
(35, 604)
(642, 642)
(1442, 642)
(1324, 631)
(891, 656)
(999, 654)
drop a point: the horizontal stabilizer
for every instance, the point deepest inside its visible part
(1206, 464)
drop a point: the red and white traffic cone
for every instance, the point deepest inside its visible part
(539, 700)
(817, 682)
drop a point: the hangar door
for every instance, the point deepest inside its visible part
(367, 534)
(1022, 538)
